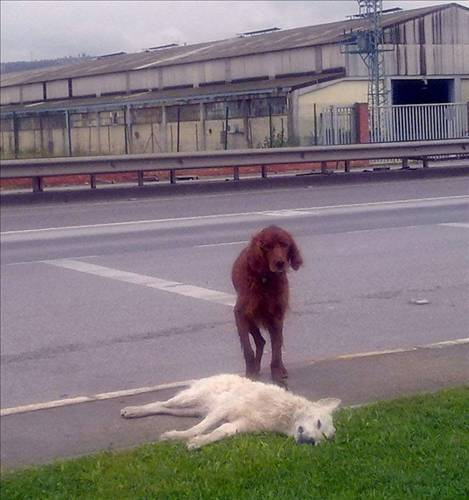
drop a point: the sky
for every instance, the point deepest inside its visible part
(33, 30)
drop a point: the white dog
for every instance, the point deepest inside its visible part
(231, 404)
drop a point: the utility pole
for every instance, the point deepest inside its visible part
(368, 41)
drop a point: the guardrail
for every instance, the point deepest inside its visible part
(38, 168)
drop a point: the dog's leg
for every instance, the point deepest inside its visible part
(243, 330)
(260, 342)
(187, 398)
(143, 410)
(225, 430)
(158, 408)
(278, 370)
(208, 422)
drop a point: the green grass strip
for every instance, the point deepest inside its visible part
(410, 448)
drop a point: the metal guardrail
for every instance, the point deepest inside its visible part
(92, 165)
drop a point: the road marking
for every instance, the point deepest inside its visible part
(176, 385)
(222, 244)
(152, 224)
(195, 292)
(438, 345)
(45, 261)
(435, 345)
(375, 353)
(88, 399)
(465, 225)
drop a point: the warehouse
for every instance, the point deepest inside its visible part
(260, 89)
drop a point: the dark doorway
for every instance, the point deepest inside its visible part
(422, 91)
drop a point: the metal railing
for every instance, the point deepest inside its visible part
(336, 125)
(422, 122)
(328, 125)
(36, 169)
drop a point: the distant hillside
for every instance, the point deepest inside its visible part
(10, 67)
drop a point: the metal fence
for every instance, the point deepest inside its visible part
(336, 125)
(327, 125)
(422, 122)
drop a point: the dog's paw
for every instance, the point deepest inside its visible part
(130, 412)
(194, 444)
(166, 436)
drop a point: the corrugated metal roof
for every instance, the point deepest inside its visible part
(232, 47)
(277, 86)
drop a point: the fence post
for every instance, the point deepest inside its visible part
(203, 138)
(178, 129)
(467, 117)
(69, 132)
(38, 184)
(126, 132)
(227, 111)
(16, 135)
(315, 117)
(140, 178)
(271, 133)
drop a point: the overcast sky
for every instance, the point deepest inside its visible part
(48, 29)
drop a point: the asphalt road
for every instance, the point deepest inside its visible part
(37, 437)
(105, 296)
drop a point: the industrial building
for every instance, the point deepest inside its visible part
(259, 89)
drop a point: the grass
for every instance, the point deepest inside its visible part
(410, 448)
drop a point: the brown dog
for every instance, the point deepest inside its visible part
(260, 278)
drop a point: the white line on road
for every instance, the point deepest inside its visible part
(175, 385)
(464, 225)
(141, 225)
(222, 244)
(88, 399)
(195, 292)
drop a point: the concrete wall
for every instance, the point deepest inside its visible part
(465, 90)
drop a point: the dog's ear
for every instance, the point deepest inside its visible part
(329, 404)
(256, 259)
(294, 256)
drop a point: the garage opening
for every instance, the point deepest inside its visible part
(422, 91)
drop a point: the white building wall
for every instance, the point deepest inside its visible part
(33, 92)
(212, 71)
(144, 79)
(9, 95)
(57, 89)
(98, 85)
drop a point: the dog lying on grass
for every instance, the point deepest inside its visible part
(230, 404)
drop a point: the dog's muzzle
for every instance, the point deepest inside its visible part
(305, 440)
(302, 439)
